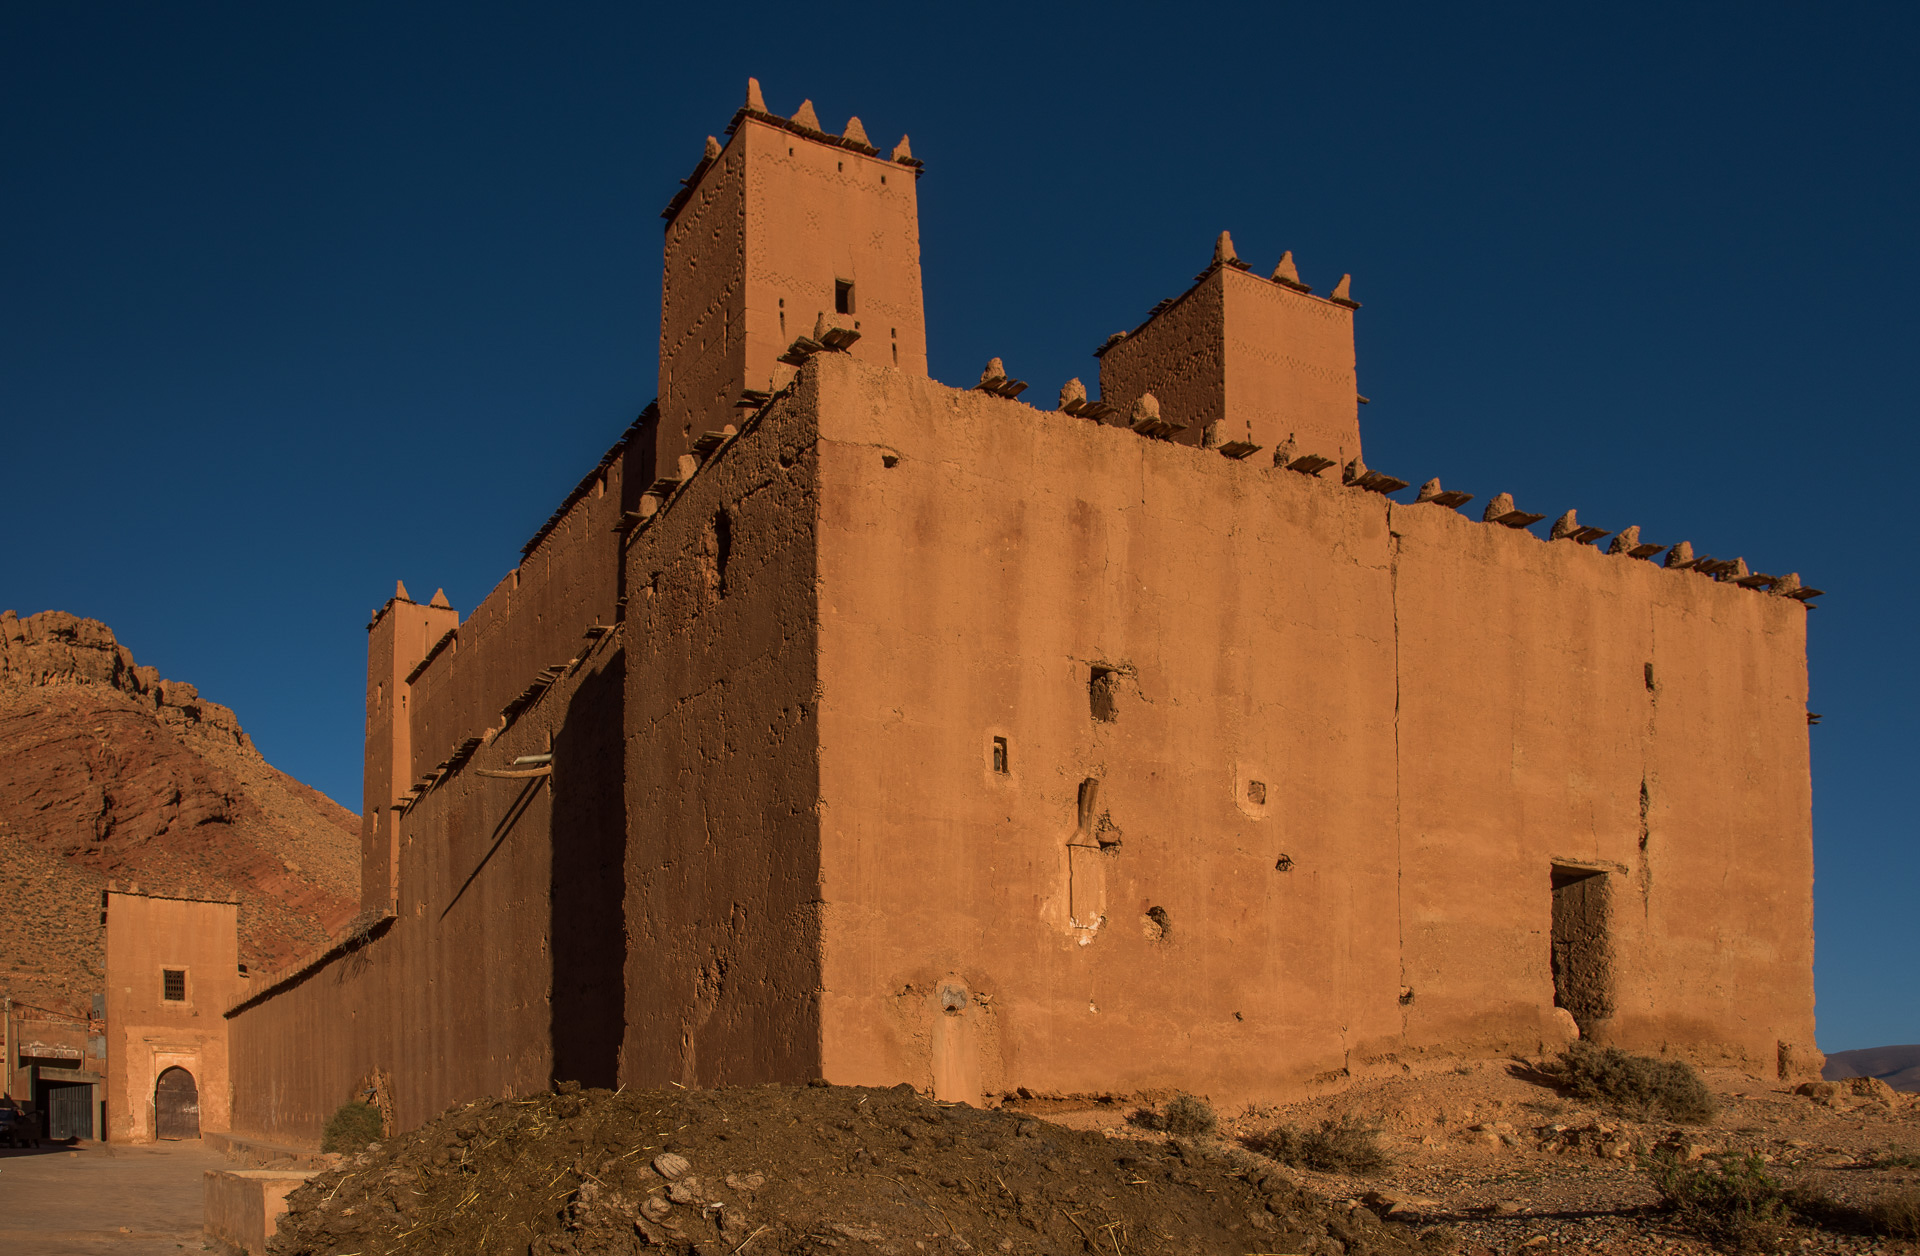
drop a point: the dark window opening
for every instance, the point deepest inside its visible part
(1582, 948)
(1100, 696)
(842, 297)
(1257, 793)
(1162, 923)
(1000, 763)
(173, 985)
(1649, 677)
(243, 970)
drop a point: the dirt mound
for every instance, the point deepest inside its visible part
(108, 772)
(776, 1169)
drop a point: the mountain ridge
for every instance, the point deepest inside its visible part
(1897, 1066)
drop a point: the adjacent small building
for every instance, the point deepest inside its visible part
(173, 969)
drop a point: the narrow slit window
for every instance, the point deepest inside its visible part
(173, 985)
(842, 297)
(1000, 763)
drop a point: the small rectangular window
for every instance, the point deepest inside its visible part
(1000, 756)
(173, 985)
(842, 297)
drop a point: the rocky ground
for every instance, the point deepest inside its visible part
(110, 773)
(1493, 1155)
(1485, 1158)
(804, 1169)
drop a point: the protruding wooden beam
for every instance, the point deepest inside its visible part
(1628, 542)
(994, 381)
(1357, 475)
(1450, 498)
(1569, 528)
(1148, 421)
(1501, 510)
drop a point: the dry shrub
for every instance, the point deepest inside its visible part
(351, 1127)
(1637, 1085)
(1735, 1203)
(1186, 1116)
(1898, 1214)
(1343, 1146)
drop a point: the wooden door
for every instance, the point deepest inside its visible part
(176, 1105)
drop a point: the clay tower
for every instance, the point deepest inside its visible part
(784, 224)
(399, 637)
(1258, 360)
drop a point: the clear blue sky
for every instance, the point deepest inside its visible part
(301, 299)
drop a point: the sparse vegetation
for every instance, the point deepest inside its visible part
(1735, 1203)
(1184, 1115)
(1343, 1146)
(1637, 1085)
(352, 1126)
(1898, 1214)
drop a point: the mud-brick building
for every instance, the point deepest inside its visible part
(844, 723)
(173, 969)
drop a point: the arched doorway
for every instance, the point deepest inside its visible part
(176, 1105)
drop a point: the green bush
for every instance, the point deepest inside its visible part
(1184, 1115)
(1637, 1085)
(1735, 1203)
(1343, 1146)
(351, 1127)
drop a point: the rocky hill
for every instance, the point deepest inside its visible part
(1898, 1067)
(109, 773)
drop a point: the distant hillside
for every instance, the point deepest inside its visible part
(108, 772)
(1898, 1067)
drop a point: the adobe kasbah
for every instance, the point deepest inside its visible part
(843, 724)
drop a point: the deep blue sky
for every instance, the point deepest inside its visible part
(301, 299)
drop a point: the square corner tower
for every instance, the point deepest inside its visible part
(784, 224)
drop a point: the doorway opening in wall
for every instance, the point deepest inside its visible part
(1582, 945)
(176, 1105)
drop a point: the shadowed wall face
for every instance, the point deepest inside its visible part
(587, 888)
(722, 771)
(493, 977)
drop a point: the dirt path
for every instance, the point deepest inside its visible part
(94, 1200)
